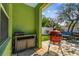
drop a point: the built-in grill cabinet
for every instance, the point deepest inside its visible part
(23, 42)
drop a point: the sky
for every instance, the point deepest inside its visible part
(51, 10)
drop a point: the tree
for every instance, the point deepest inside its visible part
(69, 12)
(52, 23)
(45, 21)
(49, 22)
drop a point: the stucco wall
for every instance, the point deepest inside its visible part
(23, 18)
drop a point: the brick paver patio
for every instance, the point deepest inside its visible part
(68, 49)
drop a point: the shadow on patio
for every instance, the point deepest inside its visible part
(68, 49)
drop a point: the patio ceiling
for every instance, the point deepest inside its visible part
(32, 4)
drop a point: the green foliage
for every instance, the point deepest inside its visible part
(45, 22)
(58, 26)
(50, 23)
(69, 12)
(45, 38)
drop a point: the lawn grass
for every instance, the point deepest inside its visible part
(45, 38)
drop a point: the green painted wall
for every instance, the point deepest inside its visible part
(6, 47)
(3, 47)
(23, 18)
(38, 11)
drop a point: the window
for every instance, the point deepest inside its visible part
(3, 26)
